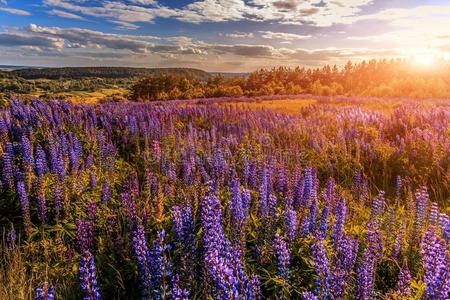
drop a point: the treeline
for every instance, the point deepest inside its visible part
(377, 78)
(105, 72)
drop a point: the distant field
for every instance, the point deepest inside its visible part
(285, 105)
(294, 105)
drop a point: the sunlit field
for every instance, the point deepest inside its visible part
(314, 198)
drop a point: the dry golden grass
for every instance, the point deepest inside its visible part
(15, 282)
(284, 106)
(386, 106)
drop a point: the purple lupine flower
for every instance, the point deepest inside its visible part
(272, 205)
(128, 207)
(57, 160)
(92, 180)
(41, 162)
(436, 263)
(106, 193)
(27, 153)
(304, 226)
(344, 260)
(178, 293)
(323, 225)
(290, 221)
(25, 205)
(40, 201)
(364, 191)
(378, 205)
(404, 282)
(398, 185)
(340, 214)
(398, 245)
(253, 291)
(322, 269)
(160, 267)
(88, 277)
(171, 173)
(330, 191)
(233, 259)
(374, 240)
(91, 210)
(283, 257)
(211, 218)
(156, 150)
(237, 209)
(444, 225)
(89, 162)
(282, 184)
(224, 268)
(246, 202)
(8, 169)
(313, 214)
(85, 235)
(365, 276)
(75, 151)
(57, 201)
(297, 189)
(187, 233)
(177, 223)
(309, 296)
(11, 238)
(307, 188)
(357, 184)
(143, 260)
(252, 181)
(433, 214)
(46, 292)
(422, 200)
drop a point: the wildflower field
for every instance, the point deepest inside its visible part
(225, 200)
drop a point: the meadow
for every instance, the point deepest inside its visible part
(272, 198)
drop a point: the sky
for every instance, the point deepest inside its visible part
(220, 35)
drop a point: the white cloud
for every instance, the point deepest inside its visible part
(283, 36)
(22, 40)
(15, 11)
(287, 11)
(117, 12)
(240, 35)
(94, 39)
(144, 2)
(64, 14)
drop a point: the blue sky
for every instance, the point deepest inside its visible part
(219, 35)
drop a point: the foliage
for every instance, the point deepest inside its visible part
(383, 78)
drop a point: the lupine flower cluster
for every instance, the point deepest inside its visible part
(46, 292)
(436, 262)
(283, 257)
(322, 269)
(88, 277)
(182, 200)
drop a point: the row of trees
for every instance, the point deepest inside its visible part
(379, 78)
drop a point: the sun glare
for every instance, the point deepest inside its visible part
(425, 59)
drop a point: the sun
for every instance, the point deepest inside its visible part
(424, 59)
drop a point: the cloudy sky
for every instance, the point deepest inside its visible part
(219, 35)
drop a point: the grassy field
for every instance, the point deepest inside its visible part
(295, 105)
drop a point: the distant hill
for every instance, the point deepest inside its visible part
(105, 72)
(13, 67)
(229, 74)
